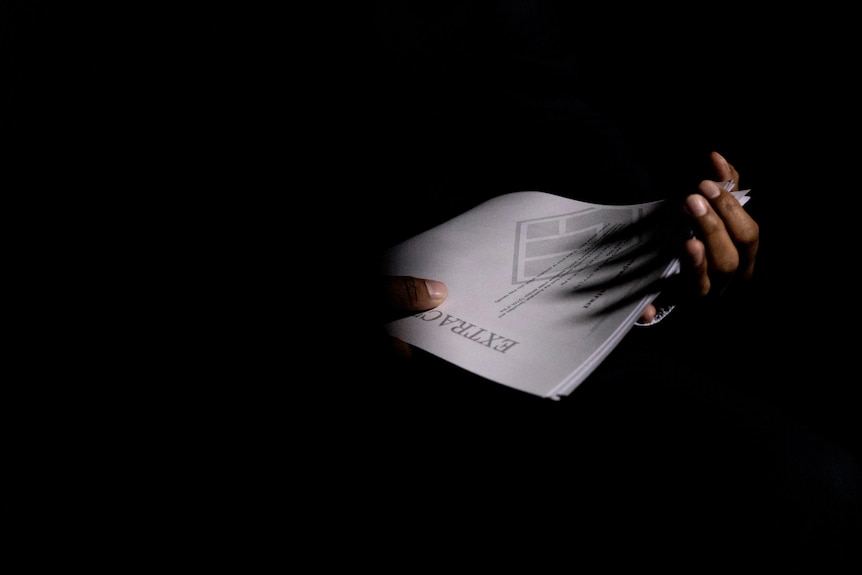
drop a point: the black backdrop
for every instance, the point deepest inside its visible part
(214, 99)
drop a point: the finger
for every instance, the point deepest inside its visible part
(407, 293)
(721, 256)
(648, 314)
(742, 229)
(399, 348)
(724, 170)
(697, 269)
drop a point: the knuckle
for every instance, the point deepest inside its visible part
(748, 235)
(727, 264)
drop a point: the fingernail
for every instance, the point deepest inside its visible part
(710, 189)
(436, 290)
(695, 205)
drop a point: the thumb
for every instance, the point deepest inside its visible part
(408, 293)
(724, 170)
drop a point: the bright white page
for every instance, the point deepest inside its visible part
(527, 304)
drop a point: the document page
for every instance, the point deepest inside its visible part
(541, 287)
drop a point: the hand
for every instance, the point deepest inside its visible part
(726, 238)
(403, 295)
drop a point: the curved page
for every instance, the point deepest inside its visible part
(541, 287)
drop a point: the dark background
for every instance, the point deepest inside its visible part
(774, 93)
(249, 118)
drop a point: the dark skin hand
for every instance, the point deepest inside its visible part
(726, 240)
(722, 252)
(403, 295)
